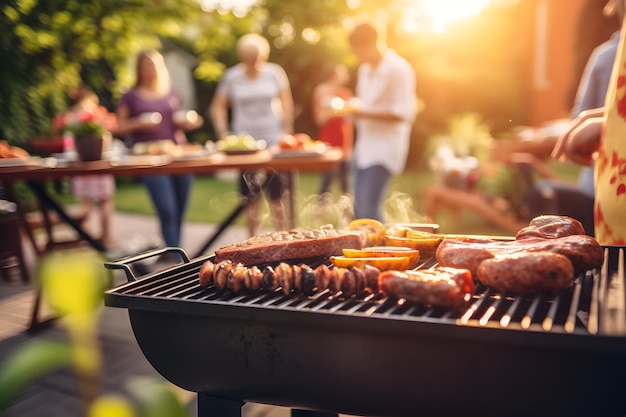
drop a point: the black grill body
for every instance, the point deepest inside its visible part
(368, 355)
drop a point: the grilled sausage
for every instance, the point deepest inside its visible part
(441, 286)
(527, 273)
(583, 251)
(462, 254)
(206, 274)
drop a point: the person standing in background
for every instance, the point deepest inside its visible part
(597, 136)
(334, 129)
(383, 119)
(146, 113)
(576, 200)
(259, 94)
(92, 190)
(594, 83)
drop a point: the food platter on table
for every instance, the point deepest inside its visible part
(30, 161)
(291, 153)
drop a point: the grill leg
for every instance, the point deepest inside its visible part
(209, 406)
(305, 413)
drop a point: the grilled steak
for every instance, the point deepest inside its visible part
(527, 272)
(550, 227)
(290, 245)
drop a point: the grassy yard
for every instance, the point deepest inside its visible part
(213, 199)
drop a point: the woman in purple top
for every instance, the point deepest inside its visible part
(145, 113)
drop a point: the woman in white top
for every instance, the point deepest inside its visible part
(259, 94)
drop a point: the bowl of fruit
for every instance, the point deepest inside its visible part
(299, 144)
(240, 144)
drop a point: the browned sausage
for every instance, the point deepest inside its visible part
(527, 273)
(441, 286)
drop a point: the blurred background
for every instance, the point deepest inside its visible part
(512, 62)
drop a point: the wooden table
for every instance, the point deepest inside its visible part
(38, 171)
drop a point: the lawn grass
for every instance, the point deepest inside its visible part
(214, 197)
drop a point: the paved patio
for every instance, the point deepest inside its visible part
(123, 361)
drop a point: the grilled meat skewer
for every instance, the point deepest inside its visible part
(445, 287)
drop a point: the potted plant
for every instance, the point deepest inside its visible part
(90, 129)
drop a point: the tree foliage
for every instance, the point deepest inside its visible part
(46, 46)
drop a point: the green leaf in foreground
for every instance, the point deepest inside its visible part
(28, 364)
(156, 399)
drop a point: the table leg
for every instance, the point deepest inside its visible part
(227, 222)
(307, 413)
(12, 196)
(35, 323)
(39, 189)
(291, 200)
(209, 406)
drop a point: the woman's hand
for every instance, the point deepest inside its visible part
(582, 138)
(188, 120)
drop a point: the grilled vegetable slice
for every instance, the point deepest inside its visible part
(384, 252)
(374, 230)
(426, 245)
(384, 263)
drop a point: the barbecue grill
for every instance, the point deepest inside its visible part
(369, 355)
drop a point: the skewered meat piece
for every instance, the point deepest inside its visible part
(370, 274)
(336, 278)
(441, 286)
(254, 279)
(550, 227)
(297, 277)
(359, 280)
(270, 281)
(220, 274)
(348, 282)
(308, 280)
(284, 276)
(322, 277)
(206, 273)
(237, 277)
(527, 272)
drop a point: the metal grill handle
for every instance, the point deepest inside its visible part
(126, 262)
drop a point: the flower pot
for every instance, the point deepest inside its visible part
(89, 148)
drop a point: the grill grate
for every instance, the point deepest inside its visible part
(595, 304)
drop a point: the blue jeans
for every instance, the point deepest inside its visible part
(370, 186)
(170, 194)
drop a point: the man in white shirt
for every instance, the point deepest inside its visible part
(383, 119)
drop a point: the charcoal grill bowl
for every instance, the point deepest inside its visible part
(364, 365)
(359, 366)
